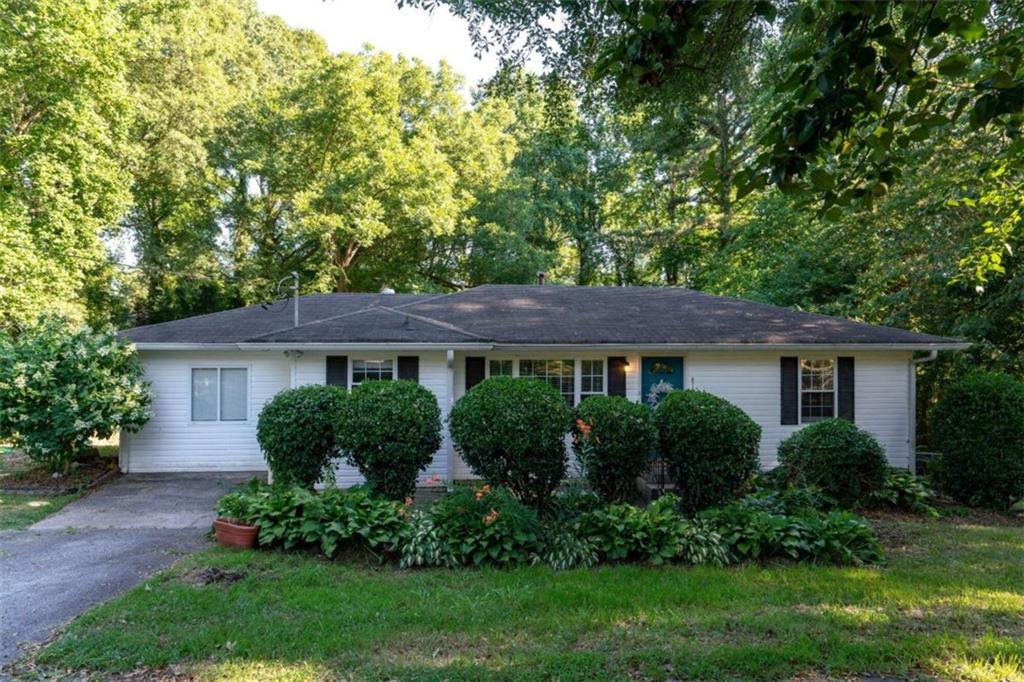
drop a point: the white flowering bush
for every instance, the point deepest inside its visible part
(61, 386)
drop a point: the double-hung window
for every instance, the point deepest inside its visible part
(591, 378)
(372, 370)
(817, 390)
(559, 373)
(220, 394)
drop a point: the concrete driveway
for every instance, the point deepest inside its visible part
(100, 546)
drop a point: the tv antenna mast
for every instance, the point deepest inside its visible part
(294, 277)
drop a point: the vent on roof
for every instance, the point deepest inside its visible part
(387, 290)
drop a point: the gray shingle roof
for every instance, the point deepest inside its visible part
(518, 315)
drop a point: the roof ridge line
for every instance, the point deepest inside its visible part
(438, 323)
(426, 300)
(311, 322)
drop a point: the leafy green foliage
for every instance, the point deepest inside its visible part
(63, 100)
(237, 507)
(657, 534)
(563, 548)
(903, 491)
(390, 430)
(425, 545)
(330, 520)
(846, 462)
(295, 430)
(978, 428)
(832, 537)
(711, 446)
(510, 432)
(61, 386)
(613, 439)
(485, 526)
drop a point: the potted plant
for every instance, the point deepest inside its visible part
(232, 526)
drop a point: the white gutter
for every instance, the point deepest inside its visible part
(912, 408)
(735, 346)
(144, 345)
(610, 347)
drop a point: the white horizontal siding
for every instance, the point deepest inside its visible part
(749, 379)
(172, 442)
(311, 368)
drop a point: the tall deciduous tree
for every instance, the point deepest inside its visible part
(64, 118)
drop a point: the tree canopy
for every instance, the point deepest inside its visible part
(863, 159)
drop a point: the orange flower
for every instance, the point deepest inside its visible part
(479, 494)
(491, 517)
(408, 501)
(584, 427)
(486, 488)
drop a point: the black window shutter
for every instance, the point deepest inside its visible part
(844, 376)
(474, 371)
(617, 376)
(409, 367)
(337, 370)
(790, 379)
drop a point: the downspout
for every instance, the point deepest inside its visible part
(912, 408)
(450, 459)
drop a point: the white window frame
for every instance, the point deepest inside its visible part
(219, 367)
(352, 367)
(579, 378)
(800, 387)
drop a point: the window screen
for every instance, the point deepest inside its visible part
(220, 394)
(233, 395)
(204, 395)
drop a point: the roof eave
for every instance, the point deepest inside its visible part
(957, 345)
(279, 345)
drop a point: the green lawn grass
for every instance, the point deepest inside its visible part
(20, 511)
(949, 603)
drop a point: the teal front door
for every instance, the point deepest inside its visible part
(659, 376)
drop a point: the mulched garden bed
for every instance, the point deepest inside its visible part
(19, 474)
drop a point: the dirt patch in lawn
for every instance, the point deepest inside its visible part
(19, 474)
(212, 576)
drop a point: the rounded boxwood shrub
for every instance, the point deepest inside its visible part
(709, 444)
(846, 462)
(390, 431)
(510, 432)
(295, 430)
(613, 438)
(978, 429)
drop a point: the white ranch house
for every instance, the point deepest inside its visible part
(211, 374)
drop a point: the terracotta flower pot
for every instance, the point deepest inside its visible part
(231, 534)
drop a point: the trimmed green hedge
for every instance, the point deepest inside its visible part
(613, 439)
(978, 427)
(846, 462)
(390, 431)
(295, 430)
(511, 433)
(710, 445)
